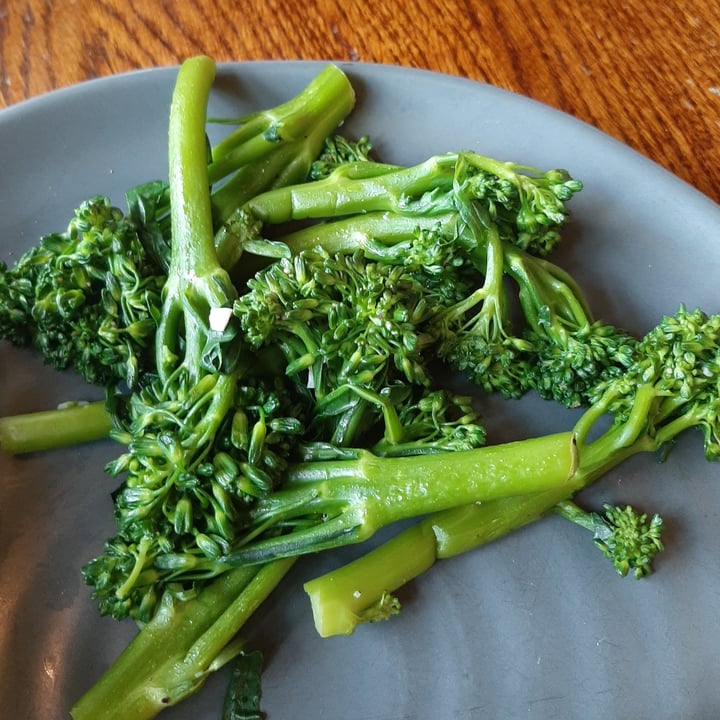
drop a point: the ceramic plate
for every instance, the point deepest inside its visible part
(536, 625)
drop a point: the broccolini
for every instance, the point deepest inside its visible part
(670, 387)
(371, 272)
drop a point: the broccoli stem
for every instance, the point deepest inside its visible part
(277, 146)
(424, 190)
(196, 282)
(50, 429)
(362, 187)
(171, 657)
(370, 232)
(341, 598)
(336, 503)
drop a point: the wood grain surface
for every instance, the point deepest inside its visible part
(644, 71)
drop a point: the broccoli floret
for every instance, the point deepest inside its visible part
(436, 421)
(526, 205)
(341, 322)
(339, 150)
(475, 335)
(87, 298)
(552, 345)
(626, 537)
(568, 366)
(17, 296)
(348, 319)
(572, 352)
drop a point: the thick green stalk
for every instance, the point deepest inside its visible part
(277, 146)
(196, 282)
(171, 657)
(370, 232)
(314, 113)
(70, 425)
(342, 598)
(341, 502)
(187, 170)
(362, 187)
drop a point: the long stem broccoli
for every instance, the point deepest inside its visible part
(670, 387)
(362, 590)
(186, 640)
(328, 504)
(372, 270)
(201, 437)
(90, 298)
(500, 217)
(527, 205)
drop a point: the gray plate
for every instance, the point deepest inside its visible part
(536, 625)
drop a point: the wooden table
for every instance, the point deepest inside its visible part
(645, 71)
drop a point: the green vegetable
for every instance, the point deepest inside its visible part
(439, 221)
(280, 338)
(328, 503)
(86, 298)
(338, 151)
(89, 298)
(185, 641)
(70, 424)
(558, 349)
(527, 206)
(193, 494)
(362, 591)
(200, 437)
(671, 386)
(242, 700)
(623, 535)
(350, 331)
(278, 146)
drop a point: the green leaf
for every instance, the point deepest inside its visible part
(242, 700)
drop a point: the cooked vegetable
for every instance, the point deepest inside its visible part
(185, 641)
(466, 226)
(86, 298)
(197, 436)
(362, 591)
(671, 386)
(277, 311)
(350, 330)
(89, 298)
(71, 424)
(356, 327)
(623, 535)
